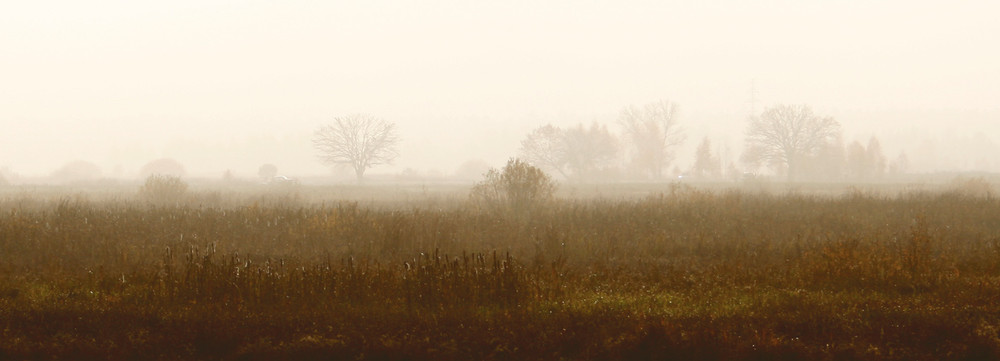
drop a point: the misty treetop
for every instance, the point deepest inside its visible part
(865, 162)
(267, 171)
(545, 147)
(576, 153)
(787, 136)
(654, 132)
(646, 147)
(705, 163)
(791, 140)
(361, 141)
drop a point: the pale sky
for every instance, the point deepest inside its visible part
(234, 84)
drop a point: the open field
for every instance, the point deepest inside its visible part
(415, 272)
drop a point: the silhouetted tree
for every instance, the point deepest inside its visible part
(267, 171)
(228, 176)
(857, 162)
(359, 140)
(577, 152)
(865, 162)
(77, 171)
(546, 148)
(706, 164)
(784, 136)
(589, 150)
(653, 132)
(876, 158)
(900, 165)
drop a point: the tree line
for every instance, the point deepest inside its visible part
(789, 140)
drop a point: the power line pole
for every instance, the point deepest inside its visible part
(753, 97)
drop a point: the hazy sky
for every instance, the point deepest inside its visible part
(234, 84)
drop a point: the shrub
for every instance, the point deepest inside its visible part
(519, 188)
(162, 189)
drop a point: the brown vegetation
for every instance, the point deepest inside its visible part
(684, 274)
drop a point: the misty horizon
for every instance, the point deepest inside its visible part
(229, 86)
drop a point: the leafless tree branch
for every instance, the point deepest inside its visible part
(786, 134)
(359, 140)
(653, 131)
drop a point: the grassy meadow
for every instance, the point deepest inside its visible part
(602, 272)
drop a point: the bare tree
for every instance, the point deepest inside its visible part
(653, 132)
(359, 140)
(577, 152)
(785, 135)
(545, 147)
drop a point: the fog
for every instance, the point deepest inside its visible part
(230, 85)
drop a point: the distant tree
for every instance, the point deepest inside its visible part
(267, 171)
(876, 158)
(653, 132)
(163, 167)
(706, 164)
(828, 162)
(77, 171)
(546, 148)
(574, 153)
(358, 140)
(228, 176)
(865, 162)
(784, 136)
(473, 169)
(900, 165)
(857, 161)
(589, 149)
(7, 176)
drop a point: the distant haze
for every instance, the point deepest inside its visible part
(231, 85)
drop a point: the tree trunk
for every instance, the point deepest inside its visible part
(359, 171)
(793, 168)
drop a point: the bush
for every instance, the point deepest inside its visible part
(518, 188)
(163, 189)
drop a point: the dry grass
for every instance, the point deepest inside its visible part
(683, 274)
